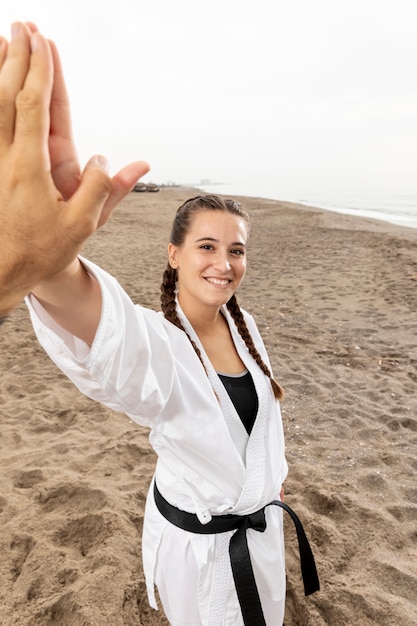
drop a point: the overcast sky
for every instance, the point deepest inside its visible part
(307, 92)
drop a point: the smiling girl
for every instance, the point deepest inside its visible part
(199, 377)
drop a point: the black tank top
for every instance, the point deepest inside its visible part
(242, 393)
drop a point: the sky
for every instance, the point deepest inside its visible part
(319, 93)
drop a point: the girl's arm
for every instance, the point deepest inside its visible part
(73, 299)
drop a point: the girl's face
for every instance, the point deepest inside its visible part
(211, 262)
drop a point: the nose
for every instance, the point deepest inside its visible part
(221, 262)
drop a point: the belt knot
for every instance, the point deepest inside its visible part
(256, 520)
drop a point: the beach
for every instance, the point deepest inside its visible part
(335, 299)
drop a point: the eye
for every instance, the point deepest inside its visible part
(206, 246)
(238, 252)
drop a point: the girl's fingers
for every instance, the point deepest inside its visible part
(122, 183)
(97, 196)
(64, 161)
(60, 105)
(86, 205)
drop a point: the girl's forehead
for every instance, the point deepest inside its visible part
(219, 221)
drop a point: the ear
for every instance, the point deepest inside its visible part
(172, 255)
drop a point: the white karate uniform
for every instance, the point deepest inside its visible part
(144, 366)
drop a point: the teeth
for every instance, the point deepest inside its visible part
(218, 281)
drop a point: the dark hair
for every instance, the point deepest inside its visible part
(180, 228)
(187, 210)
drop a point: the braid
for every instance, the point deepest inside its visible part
(239, 320)
(168, 304)
(168, 307)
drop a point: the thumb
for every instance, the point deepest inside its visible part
(86, 204)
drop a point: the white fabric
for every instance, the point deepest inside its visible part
(144, 366)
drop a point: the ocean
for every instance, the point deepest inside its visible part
(396, 207)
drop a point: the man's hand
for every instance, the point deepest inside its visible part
(48, 208)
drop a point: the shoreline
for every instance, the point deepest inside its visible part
(334, 297)
(408, 220)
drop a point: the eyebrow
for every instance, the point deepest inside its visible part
(236, 243)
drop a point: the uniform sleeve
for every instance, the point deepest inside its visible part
(129, 367)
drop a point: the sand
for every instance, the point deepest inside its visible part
(335, 298)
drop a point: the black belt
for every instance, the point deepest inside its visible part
(244, 578)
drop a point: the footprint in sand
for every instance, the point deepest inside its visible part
(85, 533)
(75, 497)
(27, 478)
